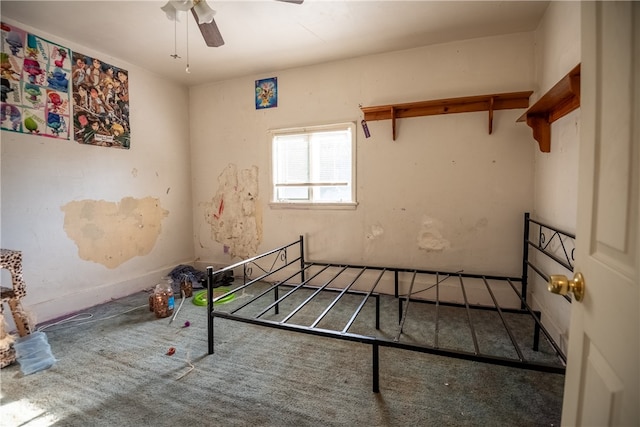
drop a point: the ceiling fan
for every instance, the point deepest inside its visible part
(203, 15)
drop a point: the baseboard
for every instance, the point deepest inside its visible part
(63, 306)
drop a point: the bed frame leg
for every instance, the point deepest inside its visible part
(377, 312)
(536, 332)
(210, 308)
(376, 370)
(395, 284)
(396, 293)
(302, 261)
(525, 258)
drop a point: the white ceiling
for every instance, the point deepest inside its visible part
(266, 36)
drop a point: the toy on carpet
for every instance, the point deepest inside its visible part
(200, 298)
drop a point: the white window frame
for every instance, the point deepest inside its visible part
(310, 204)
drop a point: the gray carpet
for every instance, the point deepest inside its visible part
(114, 371)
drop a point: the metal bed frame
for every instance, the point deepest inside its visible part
(285, 259)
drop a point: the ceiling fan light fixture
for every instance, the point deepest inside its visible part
(170, 11)
(182, 5)
(204, 12)
(204, 16)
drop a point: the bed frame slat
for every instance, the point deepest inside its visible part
(406, 307)
(278, 300)
(539, 324)
(313, 295)
(504, 322)
(471, 328)
(336, 299)
(363, 302)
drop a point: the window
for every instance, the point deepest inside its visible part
(314, 166)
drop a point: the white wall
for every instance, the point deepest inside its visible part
(40, 176)
(444, 174)
(557, 51)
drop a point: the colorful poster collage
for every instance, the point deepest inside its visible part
(100, 102)
(44, 84)
(35, 84)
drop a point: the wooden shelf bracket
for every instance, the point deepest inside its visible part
(491, 100)
(559, 101)
(467, 104)
(393, 122)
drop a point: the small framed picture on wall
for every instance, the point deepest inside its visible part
(267, 93)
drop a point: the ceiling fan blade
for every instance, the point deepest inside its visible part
(292, 1)
(210, 32)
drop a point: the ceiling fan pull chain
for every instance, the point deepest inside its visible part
(175, 40)
(187, 69)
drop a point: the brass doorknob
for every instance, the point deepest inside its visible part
(560, 284)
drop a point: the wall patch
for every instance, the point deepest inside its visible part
(234, 214)
(111, 233)
(430, 236)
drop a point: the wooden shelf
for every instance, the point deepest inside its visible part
(467, 104)
(559, 101)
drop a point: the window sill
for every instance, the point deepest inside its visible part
(313, 206)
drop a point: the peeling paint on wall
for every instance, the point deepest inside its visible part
(430, 236)
(375, 231)
(111, 233)
(234, 213)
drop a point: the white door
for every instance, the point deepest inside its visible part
(603, 378)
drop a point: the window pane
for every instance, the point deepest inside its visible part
(292, 193)
(321, 158)
(333, 194)
(331, 157)
(292, 157)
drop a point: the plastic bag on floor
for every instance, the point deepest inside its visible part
(33, 353)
